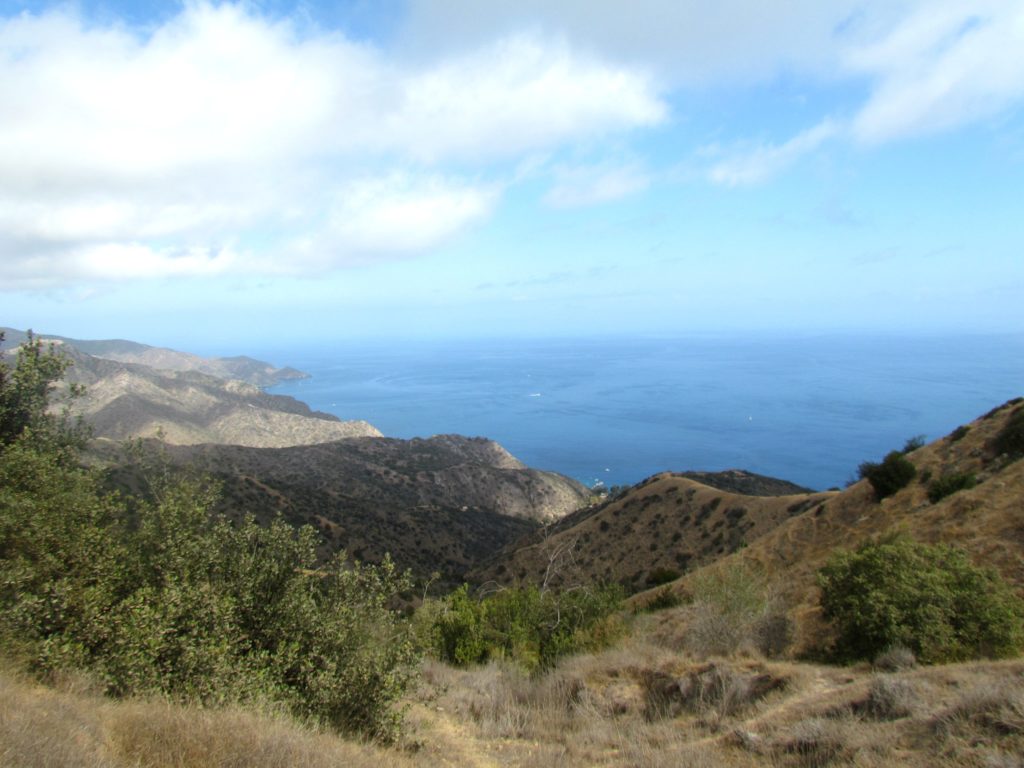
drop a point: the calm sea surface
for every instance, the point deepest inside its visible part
(807, 410)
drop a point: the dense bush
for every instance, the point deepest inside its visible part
(661, 600)
(531, 626)
(950, 484)
(894, 472)
(928, 598)
(1011, 437)
(658, 576)
(959, 433)
(162, 596)
(913, 443)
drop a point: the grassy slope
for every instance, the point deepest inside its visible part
(667, 522)
(624, 707)
(987, 520)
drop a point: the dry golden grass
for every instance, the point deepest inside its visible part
(593, 710)
(984, 520)
(596, 710)
(50, 728)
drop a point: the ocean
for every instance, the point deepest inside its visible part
(807, 409)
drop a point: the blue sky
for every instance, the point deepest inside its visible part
(223, 175)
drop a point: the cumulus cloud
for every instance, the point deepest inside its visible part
(518, 95)
(392, 214)
(126, 153)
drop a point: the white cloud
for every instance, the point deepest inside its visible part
(926, 65)
(520, 94)
(751, 166)
(686, 41)
(398, 213)
(121, 148)
(947, 64)
(938, 66)
(576, 186)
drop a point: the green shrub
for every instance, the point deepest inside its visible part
(959, 433)
(913, 443)
(658, 576)
(531, 626)
(163, 597)
(1010, 439)
(459, 629)
(893, 473)
(930, 599)
(663, 599)
(950, 484)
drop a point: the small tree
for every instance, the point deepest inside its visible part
(895, 472)
(164, 597)
(929, 598)
(26, 393)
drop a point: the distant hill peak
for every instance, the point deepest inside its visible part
(256, 372)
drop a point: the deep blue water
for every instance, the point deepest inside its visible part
(805, 409)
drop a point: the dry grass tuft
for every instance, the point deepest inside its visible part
(717, 690)
(39, 728)
(895, 658)
(817, 742)
(889, 698)
(997, 711)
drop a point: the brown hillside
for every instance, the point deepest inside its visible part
(987, 520)
(438, 504)
(668, 524)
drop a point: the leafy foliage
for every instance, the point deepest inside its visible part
(661, 600)
(1010, 439)
(913, 443)
(893, 473)
(162, 596)
(531, 626)
(26, 393)
(930, 599)
(950, 484)
(658, 576)
(959, 433)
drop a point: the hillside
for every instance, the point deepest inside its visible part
(124, 400)
(173, 603)
(443, 503)
(439, 504)
(247, 369)
(985, 520)
(670, 523)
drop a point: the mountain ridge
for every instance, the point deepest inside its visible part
(250, 370)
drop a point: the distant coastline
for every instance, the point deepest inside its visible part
(804, 408)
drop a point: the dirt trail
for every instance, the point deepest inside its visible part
(449, 742)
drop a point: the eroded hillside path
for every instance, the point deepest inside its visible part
(825, 688)
(449, 742)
